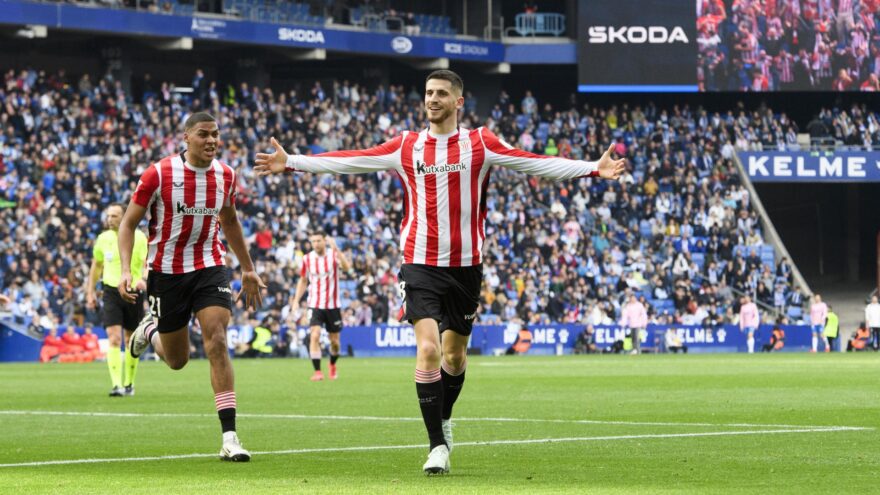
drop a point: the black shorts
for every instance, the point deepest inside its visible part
(331, 319)
(119, 312)
(450, 295)
(174, 298)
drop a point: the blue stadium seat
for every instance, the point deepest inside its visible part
(795, 312)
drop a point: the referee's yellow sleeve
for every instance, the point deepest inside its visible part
(98, 249)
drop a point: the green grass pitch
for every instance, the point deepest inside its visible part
(782, 423)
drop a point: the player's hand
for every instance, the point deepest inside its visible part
(125, 289)
(610, 168)
(90, 301)
(275, 163)
(251, 287)
(331, 241)
(140, 285)
(4, 300)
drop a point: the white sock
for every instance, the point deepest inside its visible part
(751, 342)
(815, 343)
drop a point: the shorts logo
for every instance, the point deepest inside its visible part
(471, 316)
(225, 289)
(338, 323)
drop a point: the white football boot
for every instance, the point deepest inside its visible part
(232, 449)
(438, 460)
(139, 341)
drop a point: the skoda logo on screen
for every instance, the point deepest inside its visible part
(401, 44)
(636, 34)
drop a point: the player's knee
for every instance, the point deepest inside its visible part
(176, 362)
(114, 341)
(455, 360)
(216, 343)
(429, 350)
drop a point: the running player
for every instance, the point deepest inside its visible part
(118, 314)
(190, 196)
(445, 172)
(320, 272)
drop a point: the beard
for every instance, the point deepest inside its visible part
(439, 117)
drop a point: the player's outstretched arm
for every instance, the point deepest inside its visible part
(383, 157)
(274, 163)
(500, 153)
(251, 285)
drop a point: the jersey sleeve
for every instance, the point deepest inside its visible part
(382, 157)
(147, 187)
(498, 152)
(304, 270)
(97, 250)
(229, 200)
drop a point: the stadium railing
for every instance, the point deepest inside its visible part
(538, 24)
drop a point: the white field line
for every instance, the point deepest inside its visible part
(405, 419)
(422, 446)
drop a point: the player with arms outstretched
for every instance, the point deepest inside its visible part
(320, 273)
(445, 172)
(190, 196)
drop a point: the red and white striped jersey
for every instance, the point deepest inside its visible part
(323, 276)
(445, 179)
(184, 205)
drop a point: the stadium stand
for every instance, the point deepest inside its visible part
(809, 45)
(678, 231)
(361, 14)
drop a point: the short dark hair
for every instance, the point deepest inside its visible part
(120, 205)
(448, 75)
(316, 232)
(197, 118)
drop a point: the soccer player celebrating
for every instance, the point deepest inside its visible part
(118, 313)
(320, 272)
(190, 196)
(445, 172)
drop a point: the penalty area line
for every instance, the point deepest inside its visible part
(485, 443)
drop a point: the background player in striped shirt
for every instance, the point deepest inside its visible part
(445, 174)
(189, 197)
(320, 273)
(118, 314)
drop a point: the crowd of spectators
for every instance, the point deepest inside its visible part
(750, 45)
(375, 15)
(677, 231)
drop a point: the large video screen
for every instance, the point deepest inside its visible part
(729, 45)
